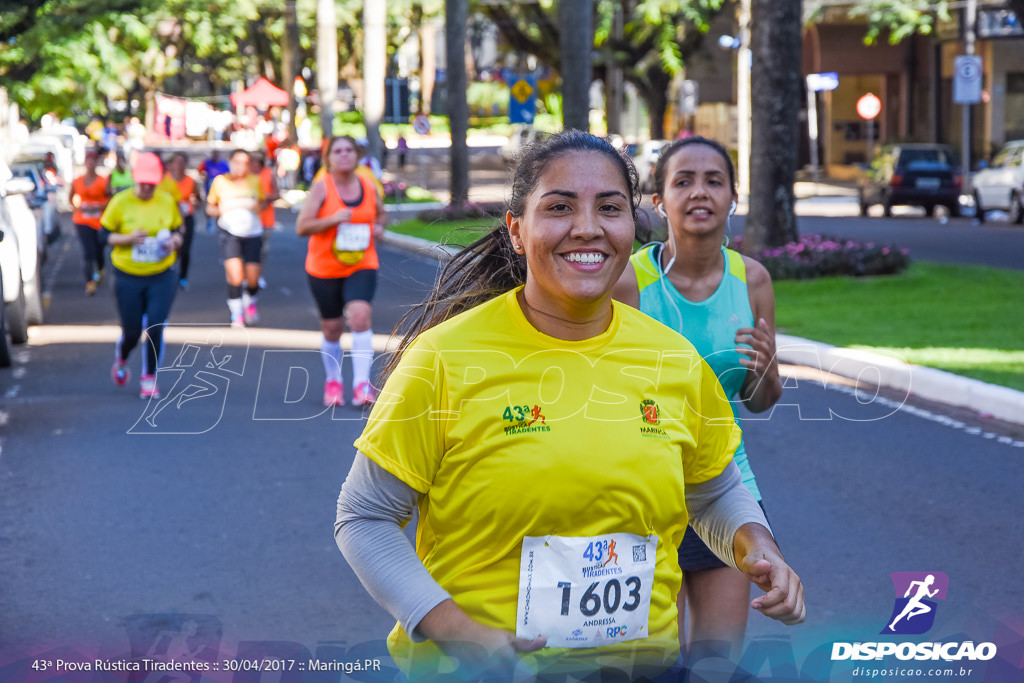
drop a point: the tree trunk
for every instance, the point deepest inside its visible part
(428, 66)
(614, 96)
(576, 41)
(290, 62)
(326, 63)
(375, 61)
(653, 90)
(775, 103)
(456, 15)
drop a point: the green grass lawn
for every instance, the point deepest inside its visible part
(963, 319)
(413, 195)
(458, 233)
(968, 320)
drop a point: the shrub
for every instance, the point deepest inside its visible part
(822, 255)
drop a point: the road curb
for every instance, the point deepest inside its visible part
(989, 400)
(419, 245)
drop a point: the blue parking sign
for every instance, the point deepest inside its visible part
(522, 101)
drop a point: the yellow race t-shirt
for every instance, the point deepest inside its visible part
(238, 200)
(511, 433)
(127, 213)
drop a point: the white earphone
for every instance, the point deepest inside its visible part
(732, 209)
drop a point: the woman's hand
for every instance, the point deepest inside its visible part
(475, 647)
(761, 354)
(137, 236)
(174, 244)
(762, 387)
(760, 561)
(342, 216)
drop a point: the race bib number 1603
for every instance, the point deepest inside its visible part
(585, 591)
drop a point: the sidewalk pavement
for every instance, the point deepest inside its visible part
(871, 369)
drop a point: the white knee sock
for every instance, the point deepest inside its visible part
(236, 308)
(331, 356)
(362, 356)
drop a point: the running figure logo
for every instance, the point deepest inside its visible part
(914, 612)
(611, 554)
(196, 384)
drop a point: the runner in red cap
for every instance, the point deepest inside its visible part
(142, 226)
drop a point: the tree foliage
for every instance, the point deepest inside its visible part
(71, 56)
(658, 38)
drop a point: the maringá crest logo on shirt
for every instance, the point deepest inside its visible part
(650, 413)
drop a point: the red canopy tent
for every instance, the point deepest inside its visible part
(261, 94)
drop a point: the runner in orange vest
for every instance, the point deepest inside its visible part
(268, 185)
(89, 195)
(343, 216)
(189, 196)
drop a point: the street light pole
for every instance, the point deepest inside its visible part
(970, 16)
(743, 111)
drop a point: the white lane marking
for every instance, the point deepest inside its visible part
(925, 414)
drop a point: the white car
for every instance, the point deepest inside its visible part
(1001, 185)
(645, 160)
(15, 319)
(42, 200)
(5, 349)
(21, 253)
(38, 146)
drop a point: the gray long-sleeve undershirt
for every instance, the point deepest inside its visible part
(374, 505)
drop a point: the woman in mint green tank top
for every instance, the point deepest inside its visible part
(724, 304)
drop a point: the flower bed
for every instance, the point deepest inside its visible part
(822, 255)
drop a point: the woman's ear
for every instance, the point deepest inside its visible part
(514, 227)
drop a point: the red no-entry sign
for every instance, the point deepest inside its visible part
(869, 106)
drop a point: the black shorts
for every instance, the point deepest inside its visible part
(695, 555)
(332, 294)
(246, 248)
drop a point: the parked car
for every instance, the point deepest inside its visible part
(70, 138)
(914, 174)
(38, 147)
(645, 158)
(1001, 185)
(42, 199)
(22, 232)
(15, 316)
(5, 349)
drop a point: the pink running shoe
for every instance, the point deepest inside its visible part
(147, 387)
(363, 394)
(333, 393)
(251, 314)
(237, 321)
(120, 373)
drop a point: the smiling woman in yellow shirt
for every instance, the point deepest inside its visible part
(142, 227)
(555, 445)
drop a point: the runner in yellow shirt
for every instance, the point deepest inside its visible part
(141, 225)
(556, 444)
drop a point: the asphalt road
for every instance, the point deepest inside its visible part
(205, 534)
